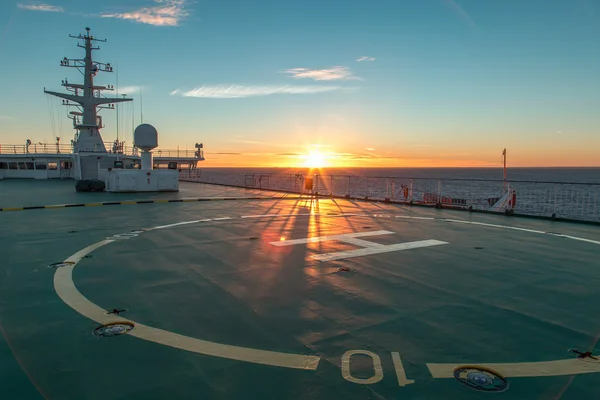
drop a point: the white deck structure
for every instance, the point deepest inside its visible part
(88, 155)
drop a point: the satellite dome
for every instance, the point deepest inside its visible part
(145, 137)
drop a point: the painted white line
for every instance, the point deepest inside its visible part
(243, 216)
(192, 199)
(303, 215)
(571, 366)
(368, 248)
(556, 234)
(275, 215)
(361, 242)
(514, 228)
(376, 250)
(179, 223)
(341, 238)
(581, 239)
(400, 373)
(411, 217)
(66, 290)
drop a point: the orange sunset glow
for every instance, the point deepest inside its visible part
(314, 159)
(429, 157)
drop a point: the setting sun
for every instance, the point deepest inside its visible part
(314, 159)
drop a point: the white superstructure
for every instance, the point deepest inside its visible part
(87, 157)
(145, 179)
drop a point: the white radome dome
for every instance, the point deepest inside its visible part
(145, 137)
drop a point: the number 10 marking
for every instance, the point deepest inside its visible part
(377, 368)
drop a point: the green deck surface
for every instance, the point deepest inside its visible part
(27, 193)
(491, 295)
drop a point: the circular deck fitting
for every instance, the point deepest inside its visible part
(479, 378)
(61, 264)
(113, 329)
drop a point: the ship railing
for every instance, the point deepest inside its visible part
(174, 153)
(53, 148)
(36, 148)
(557, 200)
(158, 152)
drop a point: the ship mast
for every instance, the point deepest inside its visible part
(87, 97)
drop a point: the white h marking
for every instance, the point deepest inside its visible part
(368, 248)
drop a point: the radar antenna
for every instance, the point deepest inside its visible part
(87, 97)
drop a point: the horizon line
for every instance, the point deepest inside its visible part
(379, 167)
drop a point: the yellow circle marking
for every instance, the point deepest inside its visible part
(66, 290)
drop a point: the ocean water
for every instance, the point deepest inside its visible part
(563, 192)
(569, 175)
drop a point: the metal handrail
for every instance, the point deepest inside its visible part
(569, 200)
(53, 148)
(35, 148)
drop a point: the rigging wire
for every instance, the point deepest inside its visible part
(51, 114)
(125, 120)
(130, 135)
(59, 117)
(122, 112)
(118, 107)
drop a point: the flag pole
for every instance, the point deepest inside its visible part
(504, 171)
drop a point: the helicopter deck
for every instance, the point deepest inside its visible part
(279, 296)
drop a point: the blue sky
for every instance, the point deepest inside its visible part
(416, 83)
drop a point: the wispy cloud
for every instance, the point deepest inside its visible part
(164, 13)
(361, 156)
(130, 89)
(5, 117)
(327, 74)
(461, 13)
(265, 144)
(248, 141)
(365, 58)
(369, 149)
(40, 7)
(239, 91)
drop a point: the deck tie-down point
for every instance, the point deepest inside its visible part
(584, 354)
(117, 311)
